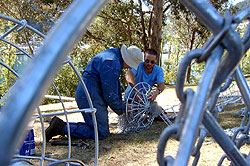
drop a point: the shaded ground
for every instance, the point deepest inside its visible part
(138, 149)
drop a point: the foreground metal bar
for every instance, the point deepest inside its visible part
(44, 138)
(93, 110)
(195, 112)
(30, 89)
(66, 161)
(244, 89)
(21, 158)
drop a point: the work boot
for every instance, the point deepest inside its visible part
(56, 127)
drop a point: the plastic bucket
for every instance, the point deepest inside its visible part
(28, 147)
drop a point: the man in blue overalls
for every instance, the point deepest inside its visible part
(101, 77)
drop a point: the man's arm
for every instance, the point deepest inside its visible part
(130, 78)
(111, 87)
(160, 88)
(160, 84)
(131, 81)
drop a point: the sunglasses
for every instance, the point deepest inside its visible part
(147, 61)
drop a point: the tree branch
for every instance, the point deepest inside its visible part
(90, 35)
(117, 20)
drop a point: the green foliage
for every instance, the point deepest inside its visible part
(117, 24)
(245, 64)
(7, 78)
(65, 81)
(245, 61)
(9, 58)
(40, 14)
(170, 70)
(197, 69)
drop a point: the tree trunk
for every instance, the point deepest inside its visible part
(190, 65)
(144, 35)
(155, 38)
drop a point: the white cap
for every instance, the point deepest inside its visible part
(132, 56)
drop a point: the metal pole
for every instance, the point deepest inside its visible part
(195, 113)
(242, 84)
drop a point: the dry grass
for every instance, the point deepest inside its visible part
(140, 149)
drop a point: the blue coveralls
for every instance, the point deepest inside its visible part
(101, 77)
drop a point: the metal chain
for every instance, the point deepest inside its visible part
(196, 149)
(166, 134)
(186, 97)
(217, 39)
(184, 109)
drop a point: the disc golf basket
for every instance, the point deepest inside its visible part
(140, 112)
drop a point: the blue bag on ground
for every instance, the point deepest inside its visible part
(28, 147)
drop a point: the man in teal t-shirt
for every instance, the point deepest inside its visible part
(147, 71)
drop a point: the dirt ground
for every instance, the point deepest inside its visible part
(134, 149)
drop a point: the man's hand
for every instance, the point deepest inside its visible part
(129, 107)
(138, 97)
(154, 95)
